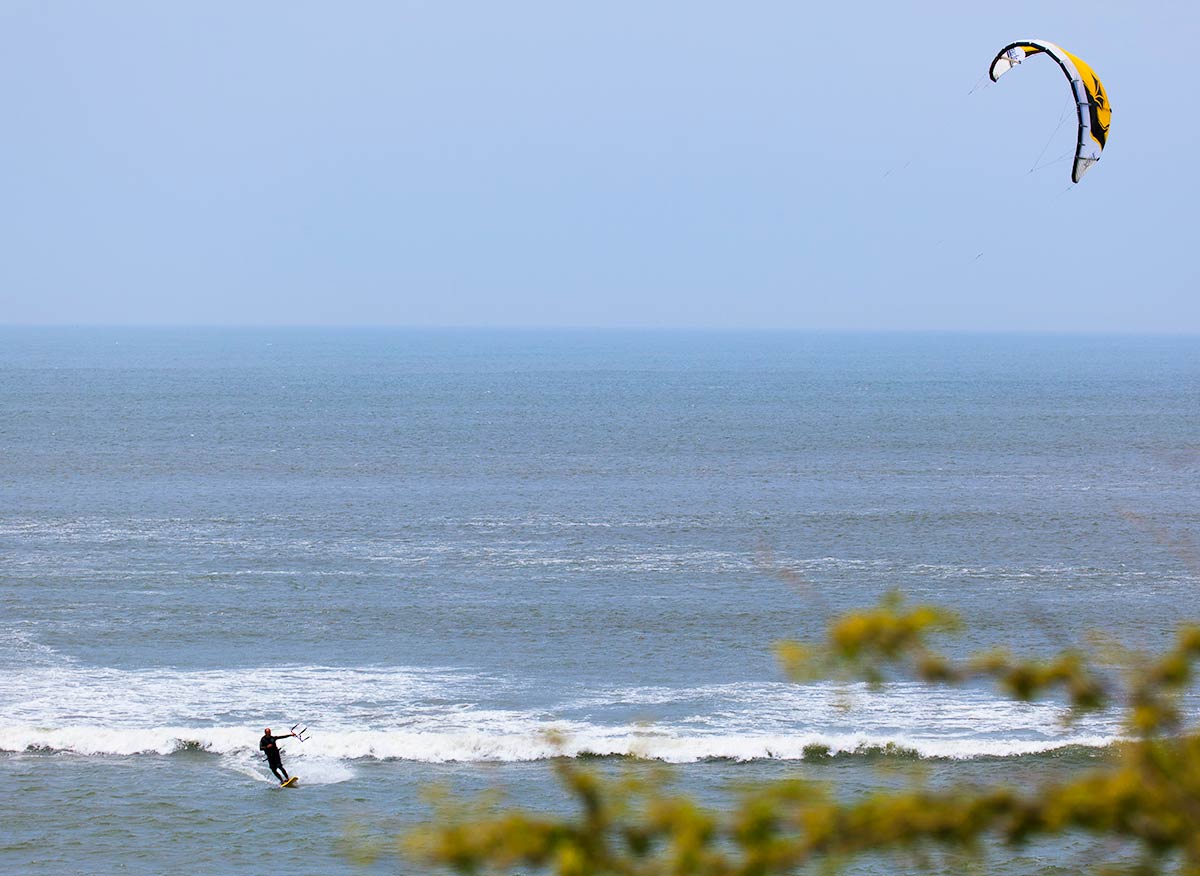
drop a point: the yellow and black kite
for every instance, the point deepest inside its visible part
(1090, 100)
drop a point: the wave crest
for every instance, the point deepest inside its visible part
(468, 747)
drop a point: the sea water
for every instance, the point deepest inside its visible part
(457, 555)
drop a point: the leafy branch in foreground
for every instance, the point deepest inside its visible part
(1146, 795)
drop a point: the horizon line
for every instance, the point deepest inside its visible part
(681, 329)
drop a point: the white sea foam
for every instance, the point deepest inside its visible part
(442, 715)
(326, 755)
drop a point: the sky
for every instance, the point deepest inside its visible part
(841, 166)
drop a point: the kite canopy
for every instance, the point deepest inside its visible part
(1090, 100)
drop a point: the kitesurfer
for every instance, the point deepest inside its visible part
(268, 747)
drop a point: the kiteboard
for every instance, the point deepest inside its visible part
(290, 783)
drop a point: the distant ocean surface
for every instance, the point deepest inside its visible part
(433, 547)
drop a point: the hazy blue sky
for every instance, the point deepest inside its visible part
(768, 164)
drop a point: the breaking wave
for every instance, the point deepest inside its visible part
(348, 745)
(445, 715)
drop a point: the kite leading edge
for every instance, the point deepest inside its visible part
(1091, 102)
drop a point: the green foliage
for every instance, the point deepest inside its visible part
(1146, 795)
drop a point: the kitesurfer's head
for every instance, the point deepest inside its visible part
(267, 732)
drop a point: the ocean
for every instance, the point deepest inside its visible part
(456, 555)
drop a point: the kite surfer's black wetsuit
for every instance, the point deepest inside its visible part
(268, 747)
